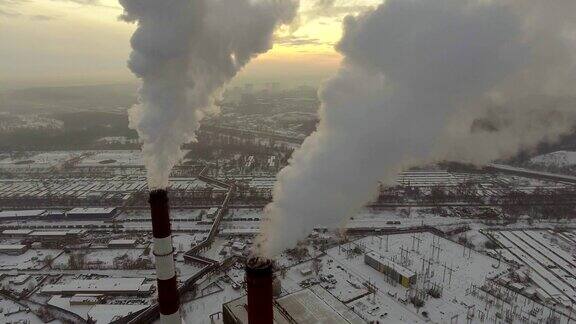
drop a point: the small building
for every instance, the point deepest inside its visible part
(55, 214)
(19, 233)
(212, 212)
(305, 271)
(15, 249)
(9, 215)
(105, 286)
(400, 274)
(19, 279)
(91, 213)
(238, 246)
(122, 243)
(227, 232)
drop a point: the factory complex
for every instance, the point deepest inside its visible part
(440, 246)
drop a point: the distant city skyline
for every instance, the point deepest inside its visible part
(77, 42)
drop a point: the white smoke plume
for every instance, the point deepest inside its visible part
(423, 80)
(184, 51)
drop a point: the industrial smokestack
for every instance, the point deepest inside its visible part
(422, 81)
(184, 52)
(259, 282)
(163, 253)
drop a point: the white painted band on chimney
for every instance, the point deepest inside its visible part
(165, 267)
(163, 246)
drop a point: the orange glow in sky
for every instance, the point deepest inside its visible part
(82, 42)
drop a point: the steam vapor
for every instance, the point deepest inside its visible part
(184, 51)
(424, 80)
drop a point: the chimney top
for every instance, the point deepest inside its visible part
(158, 196)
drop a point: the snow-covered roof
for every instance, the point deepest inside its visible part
(21, 213)
(12, 247)
(91, 210)
(403, 271)
(122, 242)
(102, 285)
(49, 233)
(17, 232)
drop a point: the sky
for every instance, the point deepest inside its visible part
(78, 42)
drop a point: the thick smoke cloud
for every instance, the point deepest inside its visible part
(423, 80)
(185, 51)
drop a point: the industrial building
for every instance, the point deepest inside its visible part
(17, 233)
(91, 213)
(122, 243)
(79, 213)
(13, 248)
(9, 215)
(400, 274)
(312, 305)
(105, 286)
(57, 235)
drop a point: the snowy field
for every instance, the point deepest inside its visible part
(123, 158)
(120, 187)
(558, 158)
(13, 312)
(36, 160)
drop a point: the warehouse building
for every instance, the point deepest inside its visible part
(91, 213)
(11, 215)
(16, 233)
(104, 286)
(14, 249)
(56, 236)
(400, 274)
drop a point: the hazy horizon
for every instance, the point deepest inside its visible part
(78, 42)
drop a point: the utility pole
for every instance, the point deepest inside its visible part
(404, 253)
(436, 248)
(386, 242)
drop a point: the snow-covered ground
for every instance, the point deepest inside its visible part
(558, 158)
(551, 268)
(36, 160)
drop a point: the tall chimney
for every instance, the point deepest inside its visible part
(163, 253)
(259, 282)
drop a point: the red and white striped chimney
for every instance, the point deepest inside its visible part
(164, 254)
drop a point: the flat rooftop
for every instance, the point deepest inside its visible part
(122, 241)
(316, 305)
(103, 285)
(21, 213)
(398, 268)
(12, 247)
(308, 306)
(91, 210)
(17, 232)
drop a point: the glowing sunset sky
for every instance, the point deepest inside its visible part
(60, 42)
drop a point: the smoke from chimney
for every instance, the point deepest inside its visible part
(259, 278)
(417, 79)
(184, 51)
